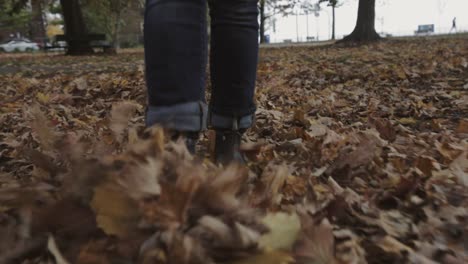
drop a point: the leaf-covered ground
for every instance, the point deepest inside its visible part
(358, 155)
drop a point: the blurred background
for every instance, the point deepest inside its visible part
(119, 23)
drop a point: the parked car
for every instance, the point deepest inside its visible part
(385, 35)
(425, 30)
(55, 46)
(19, 45)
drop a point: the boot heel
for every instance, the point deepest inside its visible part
(227, 147)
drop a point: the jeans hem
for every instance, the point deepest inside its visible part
(189, 116)
(217, 121)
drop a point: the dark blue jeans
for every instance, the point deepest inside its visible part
(176, 52)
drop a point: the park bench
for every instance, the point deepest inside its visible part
(95, 40)
(425, 29)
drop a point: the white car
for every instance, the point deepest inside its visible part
(19, 45)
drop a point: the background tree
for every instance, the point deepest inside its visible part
(36, 9)
(13, 19)
(270, 8)
(333, 4)
(38, 32)
(365, 25)
(108, 16)
(75, 28)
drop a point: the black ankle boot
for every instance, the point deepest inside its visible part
(190, 139)
(227, 147)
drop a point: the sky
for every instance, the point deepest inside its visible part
(396, 17)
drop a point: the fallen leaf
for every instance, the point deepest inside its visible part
(462, 127)
(316, 242)
(284, 230)
(269, 257)
(459, 167)
(407, 121)
(116, 213)
(120, 116)
(43, 98)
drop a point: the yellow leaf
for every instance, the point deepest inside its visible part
(79, 122)
(400, 72)
(43, 98)
(329, 72)
(407, 121)
(116, 213)
(284, 230)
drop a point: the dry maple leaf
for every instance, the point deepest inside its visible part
(459, 167)
(384, 127)
(316, 242)
(267, 192)
(39, 125)
(116, 213)
(120, 116)
(348, 247)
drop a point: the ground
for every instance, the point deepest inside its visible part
(358, 155)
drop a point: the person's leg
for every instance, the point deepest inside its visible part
(234, 56)
(176, 57)
(233, 63)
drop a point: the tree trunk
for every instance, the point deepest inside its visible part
(116, 30)
(262, 21)
(333, 22)
(365, 25)
(75, 28)
(38, 33)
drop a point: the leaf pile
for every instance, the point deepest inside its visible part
(358, 155)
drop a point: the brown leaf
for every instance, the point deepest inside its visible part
(43, 161)
(221, 193)
(169, 211)
(269, 257)
(390, 244)
(120, 116)
(183, 249)
(39, 125)
(116, 213)
(142, 180)
(348, 247)
(384, 127)
(272, 180)
(316, 242)
(252, 150)
(448, 151)
(300, 118)
(459, 167)
(427, 164)
(369, 147)
(462, 127)
(65, 218)
(93, 253)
